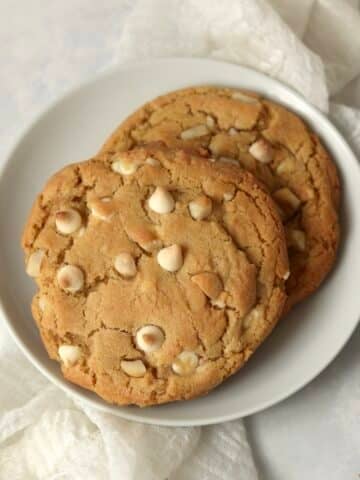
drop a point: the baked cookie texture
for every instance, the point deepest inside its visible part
(159, 273)
(274, 144)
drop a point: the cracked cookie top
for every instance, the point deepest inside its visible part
(242, 128)
(159, 272)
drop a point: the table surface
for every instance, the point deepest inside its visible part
(48, 47)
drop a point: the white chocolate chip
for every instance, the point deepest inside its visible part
(231, 161)
(70, 278)
(232, 131)
(218, 303)
(253, 316)
(170, 258)
(133, 368)
(185, 363)
(42, 302)
(210, 122)
(200, 207)
(124, 166)
(125, 264)
(194, 132)
(161, 201)
(67, 221)
(69, 354)
(149, 338)
(152, 161)
(34, 263)
(101, 208)
(81, 231)
(209, 283)
(262, 151)
(243, 97)
(228, 196)
(286, 275)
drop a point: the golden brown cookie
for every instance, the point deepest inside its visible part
(268, 140)
(159, 274)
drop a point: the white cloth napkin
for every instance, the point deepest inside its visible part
(46, 435)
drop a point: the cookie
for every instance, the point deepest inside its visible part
(274, 144)
(159, 273)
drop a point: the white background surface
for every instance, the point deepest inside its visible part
(47, 47)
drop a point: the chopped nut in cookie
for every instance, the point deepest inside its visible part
(70, 278)
(201, 207)
(133, 368)
(149, 338)
(102, 208)
(69, 354)
(296, 239)
(144, 237)
(253, 316)
(209, 283)
(34, 263)
(287, 200)
(185, 363)
(161, 201)
(194, 132)
(286, 166)
(222, 146)
(124, 264)
(262, 151)
(67, 221)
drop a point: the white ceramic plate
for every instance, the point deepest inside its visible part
(73, 129)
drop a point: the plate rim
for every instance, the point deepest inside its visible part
(76, 391)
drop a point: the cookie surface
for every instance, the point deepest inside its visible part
(271, 142)
(158, 273)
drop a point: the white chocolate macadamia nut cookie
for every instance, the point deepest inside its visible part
(153, 301)
(246, 130)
